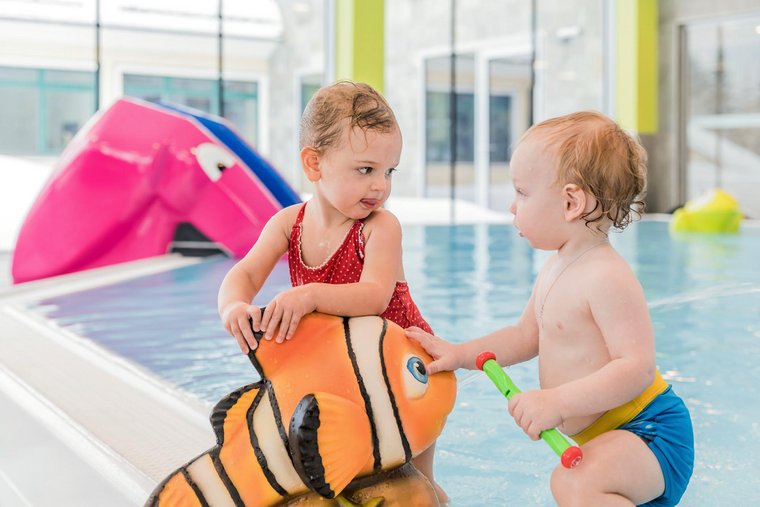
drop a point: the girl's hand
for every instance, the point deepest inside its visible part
(285, 311)
(235, 318)
(535, 411)
(446, 356)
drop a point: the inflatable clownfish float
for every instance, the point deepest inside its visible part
(717, 211)
(344, 399)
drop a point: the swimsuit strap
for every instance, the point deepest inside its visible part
(359, 238)
(299, 217)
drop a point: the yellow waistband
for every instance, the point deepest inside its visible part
(624, 413)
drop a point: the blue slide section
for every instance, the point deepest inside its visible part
(267, 174)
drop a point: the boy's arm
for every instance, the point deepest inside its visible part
(619, 308)
(511, 344)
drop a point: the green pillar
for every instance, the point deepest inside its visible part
(636, 65)
(359, 41)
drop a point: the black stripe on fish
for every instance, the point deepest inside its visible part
(219, 413)
(255, 362)
(194, 487)
(231, 489)
(365, 396)
(305, 446)
(255, 443)
(258, 335)
(404, 441)
(252, 355)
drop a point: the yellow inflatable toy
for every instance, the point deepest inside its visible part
(715, 212)
(344, 399)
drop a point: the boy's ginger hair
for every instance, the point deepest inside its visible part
(322, 121)
(595, 153)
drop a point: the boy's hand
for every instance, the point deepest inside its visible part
(241, 320)
(535, 411)
(445, 355)
(285, 311)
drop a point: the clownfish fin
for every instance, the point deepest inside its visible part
(330, 442)
(231, 410)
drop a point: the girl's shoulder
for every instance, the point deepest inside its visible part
(290, 213)
(381, 220)
(286, 217)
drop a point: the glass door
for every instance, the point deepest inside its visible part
(720, 144)
(509, 83)
(438, 111)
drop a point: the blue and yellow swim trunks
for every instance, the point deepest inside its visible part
(660, 418)
(666, 428)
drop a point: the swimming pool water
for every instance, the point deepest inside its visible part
(704, 296)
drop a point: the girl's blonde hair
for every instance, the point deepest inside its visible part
(593, 152)
(322, 121)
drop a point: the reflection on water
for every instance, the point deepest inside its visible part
(704, 294)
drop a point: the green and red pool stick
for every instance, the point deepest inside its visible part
(570, 455)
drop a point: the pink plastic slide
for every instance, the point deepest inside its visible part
(141, 180)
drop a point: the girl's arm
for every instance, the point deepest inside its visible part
(382, 268)
(369, 296)
(244, 280)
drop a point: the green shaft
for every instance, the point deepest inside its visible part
(504, 384)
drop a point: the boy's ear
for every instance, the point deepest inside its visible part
(575, 200)
(310, 163)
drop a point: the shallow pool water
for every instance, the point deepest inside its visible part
(704, 295)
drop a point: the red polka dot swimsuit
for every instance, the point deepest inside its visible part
(345, 266)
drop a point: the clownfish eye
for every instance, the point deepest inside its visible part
(417, 368)
(416, 377)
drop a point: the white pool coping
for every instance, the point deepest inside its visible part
(113, 430)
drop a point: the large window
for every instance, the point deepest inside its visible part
(722, 109)
(42, 109)
(500, 128)
(437, 108)
(240, 97)
(437, 124)
(491, 98)
(508, 117)
(438, 121)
